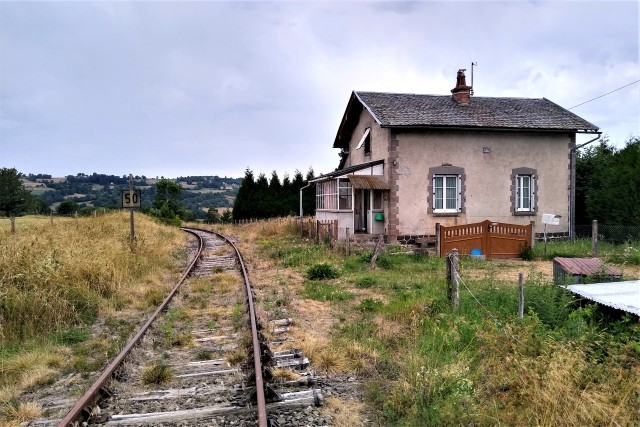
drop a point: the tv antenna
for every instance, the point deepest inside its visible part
(473, 64)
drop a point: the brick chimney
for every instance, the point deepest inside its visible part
(461, 93)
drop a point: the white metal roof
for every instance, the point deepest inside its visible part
(621, 295)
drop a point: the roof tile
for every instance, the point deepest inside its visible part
(411, 110)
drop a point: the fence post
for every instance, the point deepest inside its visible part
(533, 233)
(317, 232)
(437, 239)
(348, 238)
(376, 251)
(594, 238)
(520, 297)
(13, 223)
(452, 278)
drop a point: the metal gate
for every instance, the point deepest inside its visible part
(494, 239)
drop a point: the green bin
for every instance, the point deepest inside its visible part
(379, 216)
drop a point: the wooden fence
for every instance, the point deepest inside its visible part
(494, 239)
(309, 227)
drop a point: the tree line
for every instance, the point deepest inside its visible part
(608, 183)
(270, 198)
(607, 189)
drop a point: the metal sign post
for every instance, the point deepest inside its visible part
(549, 219)
(131, 199)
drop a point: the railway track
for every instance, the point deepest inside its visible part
(204, 358)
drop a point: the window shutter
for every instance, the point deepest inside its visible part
(534, 208)
(459, 193)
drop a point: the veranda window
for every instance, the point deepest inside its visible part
(344, 194)
(334, 195)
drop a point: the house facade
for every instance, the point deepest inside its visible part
(410, 161)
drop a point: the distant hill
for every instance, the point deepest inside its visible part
(99, 190)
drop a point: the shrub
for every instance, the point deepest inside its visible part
(527, 253)
(322, 271)
(157, 373)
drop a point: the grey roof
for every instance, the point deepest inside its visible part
(410, 110)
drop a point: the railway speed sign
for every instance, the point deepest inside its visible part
(131, 199)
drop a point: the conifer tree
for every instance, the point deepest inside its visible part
(244, 204)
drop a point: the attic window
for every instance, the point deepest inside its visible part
(365, 140)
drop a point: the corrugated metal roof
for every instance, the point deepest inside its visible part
(369, 182)
(586, 267)
(621, 295)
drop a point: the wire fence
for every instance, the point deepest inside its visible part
(616, 234)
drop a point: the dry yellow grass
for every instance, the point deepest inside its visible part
(323, 356)
(345, 413)
(225, 282)
(56, 275)
(13, 414)
(57, 279)
(282, 374)
(33, 367)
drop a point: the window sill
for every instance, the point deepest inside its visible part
(524, 213)
(442, 214)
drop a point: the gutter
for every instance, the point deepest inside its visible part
(572, 184)
(306, 186)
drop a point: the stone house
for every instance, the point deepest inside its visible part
(409, 161)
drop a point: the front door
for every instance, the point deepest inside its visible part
(366, 208)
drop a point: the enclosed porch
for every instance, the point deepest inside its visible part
(357, 201)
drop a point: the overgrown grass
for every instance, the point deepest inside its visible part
(57, 276)
(424, 363)
(57, 279)
(323, 291)
(626, 253)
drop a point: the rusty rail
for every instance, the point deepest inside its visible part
(82, 409)
(257, 363)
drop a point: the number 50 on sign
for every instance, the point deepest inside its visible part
(131, 199)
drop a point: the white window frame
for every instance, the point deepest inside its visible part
(523, 193)
(334, 195)
(445, 195)
(345, 194)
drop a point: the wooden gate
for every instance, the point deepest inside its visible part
(494, 239)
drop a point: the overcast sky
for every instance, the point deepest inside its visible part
(211, 88)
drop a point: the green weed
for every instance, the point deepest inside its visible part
(322, 271)
(370, 305)
(322, 291)
(365, 281)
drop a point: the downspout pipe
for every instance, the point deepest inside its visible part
(306, 186)
(572, 192)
